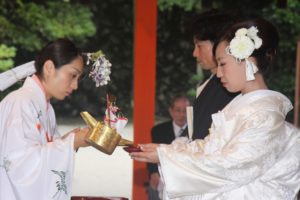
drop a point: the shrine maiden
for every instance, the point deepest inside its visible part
(36, 163)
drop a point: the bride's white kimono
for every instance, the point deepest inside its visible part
(251, 153)
(35, 164)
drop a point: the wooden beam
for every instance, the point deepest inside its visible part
(144, 84)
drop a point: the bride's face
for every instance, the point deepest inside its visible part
(231, 72)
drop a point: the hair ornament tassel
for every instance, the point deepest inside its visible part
(251, 69)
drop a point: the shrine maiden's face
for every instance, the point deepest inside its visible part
(231, 73)
(203, 53)
(60, 83)
(178, 111)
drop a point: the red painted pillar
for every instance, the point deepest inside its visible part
(144, 84)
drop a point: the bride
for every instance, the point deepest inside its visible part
(251, 151)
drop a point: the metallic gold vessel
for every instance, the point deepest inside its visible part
(102, 137)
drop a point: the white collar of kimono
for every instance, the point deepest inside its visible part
(39, 83)
(34, 82)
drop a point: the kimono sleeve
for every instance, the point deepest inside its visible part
(36, 170)
(219, 165)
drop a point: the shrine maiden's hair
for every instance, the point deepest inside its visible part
(60, 52)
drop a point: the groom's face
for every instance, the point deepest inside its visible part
(204, 55)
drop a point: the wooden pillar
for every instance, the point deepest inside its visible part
(297, 87)
(144, 85)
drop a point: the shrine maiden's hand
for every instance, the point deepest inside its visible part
(79, 140)
(148, 154)
(75, 130)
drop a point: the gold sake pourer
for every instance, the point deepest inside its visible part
(102, 137)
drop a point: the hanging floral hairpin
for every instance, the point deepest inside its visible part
(242, 46)
(101, 68)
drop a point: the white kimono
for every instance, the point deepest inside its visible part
(35, 164)
(251, 153)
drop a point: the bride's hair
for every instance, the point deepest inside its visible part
(265, 54)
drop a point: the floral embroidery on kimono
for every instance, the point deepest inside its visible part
(6, 164)
(60, 184)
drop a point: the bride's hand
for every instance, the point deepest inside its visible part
(148, 154)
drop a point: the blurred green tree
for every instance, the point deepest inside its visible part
(6, 56)
(187, 5)
(28, 25)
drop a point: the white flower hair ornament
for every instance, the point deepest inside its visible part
(100, 68)
(242, 46)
